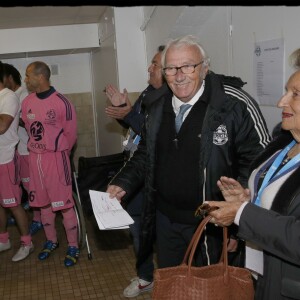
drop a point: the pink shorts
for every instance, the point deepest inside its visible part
(50, 180)
(10, 190)
(24, 171)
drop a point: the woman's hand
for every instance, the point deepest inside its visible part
(232, 190)
(232, 245)
(224, 216)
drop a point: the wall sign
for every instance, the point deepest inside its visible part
(269, 71)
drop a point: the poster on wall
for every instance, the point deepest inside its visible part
(269, 71)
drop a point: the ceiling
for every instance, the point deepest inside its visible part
(40, 16)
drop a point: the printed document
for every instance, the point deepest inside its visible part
(108, 212)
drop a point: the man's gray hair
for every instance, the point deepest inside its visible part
(187, 40)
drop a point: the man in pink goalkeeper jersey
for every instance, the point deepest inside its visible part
(50, 121)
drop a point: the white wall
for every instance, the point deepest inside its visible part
(210, 23)
(254, 24)
(131, 48)
(159, 26)
(207, 22)
(74, 71)
(121, 61)
(49, 38)
(105, 70)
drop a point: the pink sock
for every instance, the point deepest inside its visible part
(48, 220)
(37, 215)
(26, 239)
(71, 227)
(4, 237)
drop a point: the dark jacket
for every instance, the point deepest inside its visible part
(233, 132)
(277, 231)
(135, 121)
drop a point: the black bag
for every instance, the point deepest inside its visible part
(94, 173)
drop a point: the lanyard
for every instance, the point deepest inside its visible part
(293, 163)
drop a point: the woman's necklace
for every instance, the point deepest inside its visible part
(292, 153)
(286, 160)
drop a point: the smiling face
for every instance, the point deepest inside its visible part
(290, 105)
(185, 86)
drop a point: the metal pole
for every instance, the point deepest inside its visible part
(86, 238)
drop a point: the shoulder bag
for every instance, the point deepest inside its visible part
(214, 282)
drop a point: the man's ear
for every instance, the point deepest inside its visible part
(204, 72)
(41, 77)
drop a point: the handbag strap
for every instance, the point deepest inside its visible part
(197, 233)
(190, 252)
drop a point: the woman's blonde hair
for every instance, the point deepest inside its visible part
(294, 59)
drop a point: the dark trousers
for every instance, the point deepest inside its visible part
(172, 240)
(146, 269)
(134, 208)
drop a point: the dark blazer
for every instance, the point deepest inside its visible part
(277, 231)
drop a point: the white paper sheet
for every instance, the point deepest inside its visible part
(108, 212)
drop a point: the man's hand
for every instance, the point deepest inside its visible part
(118, 112)
(116, 98)
(115, 191)
(121, 105)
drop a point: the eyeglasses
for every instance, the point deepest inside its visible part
(185, 69)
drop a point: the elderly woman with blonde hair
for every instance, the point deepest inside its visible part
(268, 213)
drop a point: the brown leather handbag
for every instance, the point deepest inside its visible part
(215, 282)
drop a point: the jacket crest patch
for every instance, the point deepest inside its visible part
(220, 136)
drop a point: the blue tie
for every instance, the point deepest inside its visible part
(179, 118)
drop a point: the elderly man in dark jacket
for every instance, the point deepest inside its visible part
(222, 131)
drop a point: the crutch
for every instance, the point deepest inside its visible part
(78, 196)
